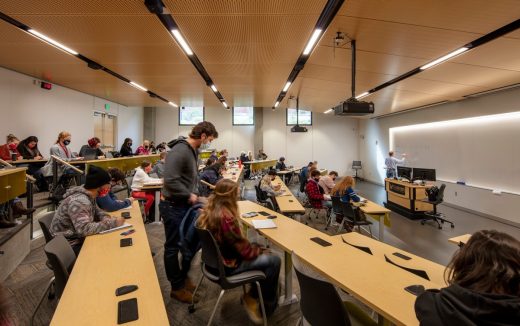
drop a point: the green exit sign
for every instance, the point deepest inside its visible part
(107, 107)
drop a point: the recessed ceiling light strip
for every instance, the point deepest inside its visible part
(91, 63)
(329, 12)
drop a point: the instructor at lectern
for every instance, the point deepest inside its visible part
(391, 164)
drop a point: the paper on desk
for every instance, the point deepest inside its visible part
(264, 224)
(124, 226)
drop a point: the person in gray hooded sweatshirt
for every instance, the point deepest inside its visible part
(78, 216)
(180, 193)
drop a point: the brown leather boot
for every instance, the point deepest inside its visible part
(182, 295)
(19, 209)
(252, 307)
(188, 285)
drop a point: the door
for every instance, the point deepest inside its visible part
(104, 129)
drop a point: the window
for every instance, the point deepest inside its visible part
(244, 116)
(190, 116)
(304, 117)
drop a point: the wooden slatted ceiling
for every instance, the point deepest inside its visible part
(249, 48)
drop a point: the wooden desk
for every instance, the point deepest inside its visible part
(233, 173)
(378, 213)
(125, 164)
(323, 172)
(371, 280)
(287, 203)
(18, 162)
(406, 198)
(461, 240)
(258, 165)
(102, 266)
(286, 172)
(12, 183)
(379, 249)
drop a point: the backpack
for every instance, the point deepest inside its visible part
(189, 240)
(432, 193)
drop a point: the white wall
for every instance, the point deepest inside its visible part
(374, 143)
(233, 138)
(331, 140)
(28, 110)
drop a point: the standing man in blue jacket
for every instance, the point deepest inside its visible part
(180, 193)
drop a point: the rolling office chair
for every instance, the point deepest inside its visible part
(434, 215)
(213, 269)
(62, 259)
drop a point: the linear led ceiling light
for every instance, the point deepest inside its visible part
(276, 104)
(173, 104)
(157, 8)
(314, 38)
(328, 111)
(328, 13)
(465, 48)
(90, 63)
(53, 42)
(136, 85)
(182, 41)
(444, 58)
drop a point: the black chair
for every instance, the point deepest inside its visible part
(434, 215)
(355, 218)
(62, 259)
(321, 304)
(45, 224)
(337, 209)
(213, 269)
(262, 198)
(316, 211)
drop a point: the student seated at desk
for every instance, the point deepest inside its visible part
(327, 182)
(140, 178)
(107, 200)
(222, 161)
(345, 189)
(92, 150)
(211, 175)
(315, 193)
(144, 149)
(158, 168)
(280, 165)
(223, 152)
(209, 162)
(28, 148)
(484, 285)
(10, 148)
(220, 217)
(78, 215)
(261, 155)
(126, 148)
(60, 149)
(266, 184)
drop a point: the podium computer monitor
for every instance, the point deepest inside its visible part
(404, 172)
(424, 174)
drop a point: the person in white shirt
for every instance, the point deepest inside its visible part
(391, 164)
(140, 178)
(328, 182)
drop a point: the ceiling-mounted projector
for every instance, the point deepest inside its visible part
(353, 107)
(298, 129)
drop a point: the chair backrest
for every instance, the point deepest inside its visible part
(128, 181)
(348, 210)
(261, 196)
(440, 194)
(45, 224)
(336, 205)
(62, 259)
(320, 303)
(211, 256)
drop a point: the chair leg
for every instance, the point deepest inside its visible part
(261, 302)
(216, 305)
(51, 282)
(191, 307)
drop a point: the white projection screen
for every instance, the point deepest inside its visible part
(483, 151)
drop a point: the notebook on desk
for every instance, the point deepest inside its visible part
(263, 224)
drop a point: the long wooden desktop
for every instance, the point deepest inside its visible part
(101, 267)
(287, 203)
(375, 282)
(406, 198)
(12, 183)
(378, 213)
(461, 240)
(258, 165)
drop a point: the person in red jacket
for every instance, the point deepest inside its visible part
(10, 148)
(315, 193)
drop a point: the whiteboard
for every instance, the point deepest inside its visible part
(483, 151)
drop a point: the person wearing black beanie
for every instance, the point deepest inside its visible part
(78, 215)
